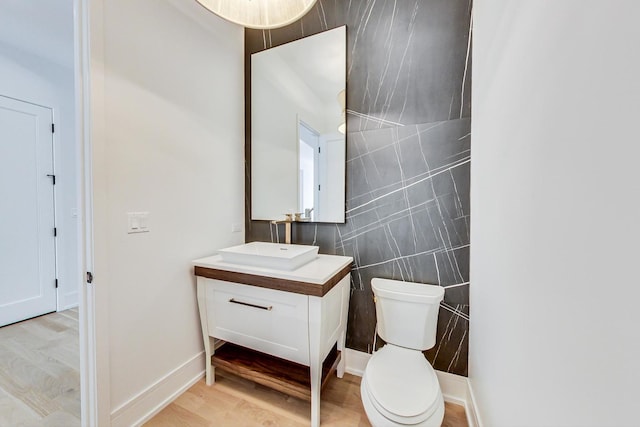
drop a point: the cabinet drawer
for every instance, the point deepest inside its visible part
(274, 322)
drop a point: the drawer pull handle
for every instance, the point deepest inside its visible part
(262, 307)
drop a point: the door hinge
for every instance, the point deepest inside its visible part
(55, 231)
(56, 283)
(318, 150)
(318, 187)
(53, 178)
(53, 128)
(89, 277)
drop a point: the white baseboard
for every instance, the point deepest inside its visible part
(142, 407)
(154, 398)
(455, 388)
(67, 301)
(355, 361)
(474, 411)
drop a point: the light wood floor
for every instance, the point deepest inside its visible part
(39, 371)
(233, 401)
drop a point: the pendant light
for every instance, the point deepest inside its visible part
(259, 14)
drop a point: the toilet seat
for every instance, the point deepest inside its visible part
(402, 385)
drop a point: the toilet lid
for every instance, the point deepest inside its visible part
(402, 384)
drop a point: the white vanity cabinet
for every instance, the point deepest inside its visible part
(282, 329)
(270, 321)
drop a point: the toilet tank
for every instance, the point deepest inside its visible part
(407, 312)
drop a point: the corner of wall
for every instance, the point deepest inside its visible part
(142, 407)
(472, 409)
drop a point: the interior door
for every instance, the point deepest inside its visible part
(27, 242)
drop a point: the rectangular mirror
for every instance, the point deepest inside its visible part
(298, 147)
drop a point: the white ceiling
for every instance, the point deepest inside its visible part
(41, 27)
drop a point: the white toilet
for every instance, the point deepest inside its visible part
(399, 387)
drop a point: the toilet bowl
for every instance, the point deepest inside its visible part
(399, 387)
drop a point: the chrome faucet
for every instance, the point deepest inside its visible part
(287, 226)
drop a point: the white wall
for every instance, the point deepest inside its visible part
(167, 117)
(555, 188)
(32, 78)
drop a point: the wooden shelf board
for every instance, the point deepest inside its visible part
(282, 375)
(286, 285)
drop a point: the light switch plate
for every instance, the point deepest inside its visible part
(137, 222)
(236, 227)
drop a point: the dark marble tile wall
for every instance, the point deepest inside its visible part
(408, 157)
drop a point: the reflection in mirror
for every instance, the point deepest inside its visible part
(298, 152)
(308, 166)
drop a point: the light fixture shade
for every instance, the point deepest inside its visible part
(259, 14)
(342, 127)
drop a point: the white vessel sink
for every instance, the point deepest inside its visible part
(278, 256)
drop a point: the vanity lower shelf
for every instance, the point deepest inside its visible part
(279, 374)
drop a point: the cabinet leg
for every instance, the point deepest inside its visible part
(209, 372)
(208, 344)
(343, 356)
(340, 368)
(316, 379)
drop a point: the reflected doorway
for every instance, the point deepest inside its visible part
(308, 166)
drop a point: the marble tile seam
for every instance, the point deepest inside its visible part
(372, 119)
(420, 176)
(454, 311)
(384, 221)
(403, 213)
(399, 140)
(400, 258)
(431, 175)
(395, 216)
(457, 285)
(348, 238)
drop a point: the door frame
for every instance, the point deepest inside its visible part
(93, 314)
